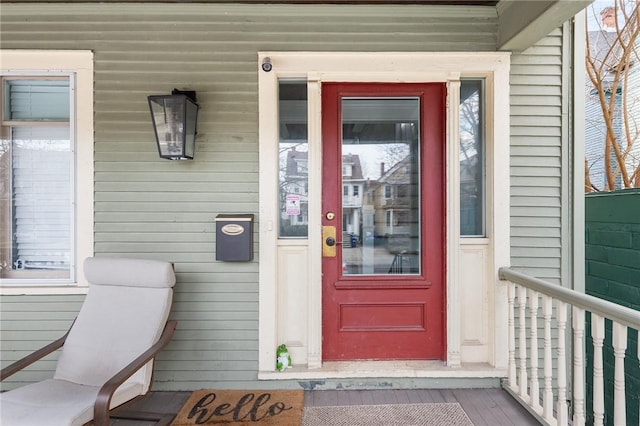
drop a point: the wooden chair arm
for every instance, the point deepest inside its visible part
(32, 357)
(103, 400)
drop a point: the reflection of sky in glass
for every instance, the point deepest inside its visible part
(469, 124)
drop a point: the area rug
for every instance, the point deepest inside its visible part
(242, 407)
(432, 414)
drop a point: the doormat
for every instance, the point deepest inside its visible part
(242, 408)
(431, 414)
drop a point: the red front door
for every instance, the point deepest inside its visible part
(383, 221)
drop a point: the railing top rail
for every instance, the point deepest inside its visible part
(621, 314)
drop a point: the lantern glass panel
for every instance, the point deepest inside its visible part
(190, 131)
(174, 120)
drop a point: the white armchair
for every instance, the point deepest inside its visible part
(107, 355)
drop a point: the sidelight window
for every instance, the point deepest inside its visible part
(472, 158)
(293, 159)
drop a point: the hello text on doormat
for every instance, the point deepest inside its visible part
(242, 407)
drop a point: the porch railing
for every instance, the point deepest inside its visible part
(539, 305)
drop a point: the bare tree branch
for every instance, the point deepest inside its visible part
(608, 71)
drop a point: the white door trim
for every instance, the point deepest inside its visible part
(319, 67)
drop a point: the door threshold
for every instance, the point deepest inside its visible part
(386, 369)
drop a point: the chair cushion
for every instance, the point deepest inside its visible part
(55, 403)
(129, 272)
(115, 325)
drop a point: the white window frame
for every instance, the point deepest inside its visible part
(78, 65)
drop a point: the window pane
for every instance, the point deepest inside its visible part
(36, 194)
(380, 161)
(472, 158)
(293, 161)
(36, 100)
(41, 188)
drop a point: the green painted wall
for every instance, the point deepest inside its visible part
(165, 210)
(537, 194)
(613, 273)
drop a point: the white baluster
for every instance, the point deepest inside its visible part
(597, 333)
(512, 337)
(563, 409)
(522, 341)
(578, 367)
(535, 385)
(619, 348)
(547, 400)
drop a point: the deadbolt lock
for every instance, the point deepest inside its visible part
(329, 241)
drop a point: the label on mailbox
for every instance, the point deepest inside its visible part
(232, 229)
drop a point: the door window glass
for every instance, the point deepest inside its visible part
(380, 161)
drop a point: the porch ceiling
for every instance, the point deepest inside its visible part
(432, 2)
(521, 23)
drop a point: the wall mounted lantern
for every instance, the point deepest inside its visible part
(174, 121)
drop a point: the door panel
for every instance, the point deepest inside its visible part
(383, 221)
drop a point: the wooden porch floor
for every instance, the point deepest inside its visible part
(488, 407)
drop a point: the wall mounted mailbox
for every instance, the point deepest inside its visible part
(234, 237)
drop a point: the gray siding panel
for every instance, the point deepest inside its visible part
(536, 158)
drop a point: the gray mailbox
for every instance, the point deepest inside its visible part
(234, 237)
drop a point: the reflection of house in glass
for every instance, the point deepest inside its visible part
(392, 200)
(395, 206)
(295, 184)
(295, 191)
(352, 195)
(384, 209)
